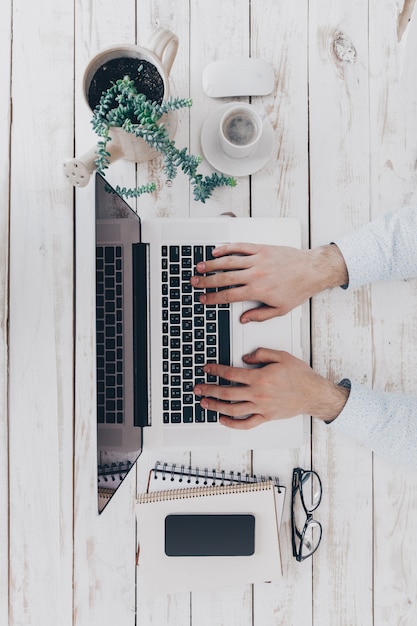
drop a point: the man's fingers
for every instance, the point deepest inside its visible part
(220, 279)
(264, 356)
(242, 424)
(224, 296)
(234, 409)
(229, 393)
(228, 249)
(233, 374)
(260, 314)
(224, 264)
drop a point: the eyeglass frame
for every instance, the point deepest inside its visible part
(298, 473)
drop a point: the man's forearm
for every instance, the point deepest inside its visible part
(328, 268)
(329, 401)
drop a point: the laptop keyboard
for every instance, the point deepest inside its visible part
(109, 333)
(193, 334)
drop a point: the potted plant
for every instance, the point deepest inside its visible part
(122, 106)
(127, 88)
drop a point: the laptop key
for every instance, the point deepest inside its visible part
(198, 254)
(209, 250)
(187, 414)
(109, 254)
(174, 254)
(224, 341)
(224, 337)
(200, 415)
(211, 416)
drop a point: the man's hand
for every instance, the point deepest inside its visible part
(282, 387)
(279, 277)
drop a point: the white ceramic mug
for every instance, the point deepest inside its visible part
(240, 130)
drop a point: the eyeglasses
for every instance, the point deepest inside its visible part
(307, 489)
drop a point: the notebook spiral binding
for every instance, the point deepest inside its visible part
(207, 478)
(198, 492)
(105, 495)
(110, 473)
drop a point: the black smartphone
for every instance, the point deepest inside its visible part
(210, 535)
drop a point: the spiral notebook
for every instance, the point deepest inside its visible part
(164, 477)
(188, 537)
(110, 477)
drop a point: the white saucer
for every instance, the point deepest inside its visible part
(222, 162)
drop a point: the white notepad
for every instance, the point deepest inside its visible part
(161, 574)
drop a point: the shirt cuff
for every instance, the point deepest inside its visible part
(384, 422)
(381, 250)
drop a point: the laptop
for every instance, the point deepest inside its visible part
(154, 336)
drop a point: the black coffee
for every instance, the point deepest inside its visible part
(147, 81)
(239, 128)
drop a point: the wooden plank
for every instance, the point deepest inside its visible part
(41, 317)
(104, 546)
(5, 121)
(341, 322)
(281, 188)
(393, 104)
(218, 31)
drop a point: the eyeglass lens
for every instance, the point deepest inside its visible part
(311, 539)
(311, 490)
(306, 500)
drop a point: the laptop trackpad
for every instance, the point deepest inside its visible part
(275, 334)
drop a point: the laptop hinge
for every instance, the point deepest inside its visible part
(140, 254)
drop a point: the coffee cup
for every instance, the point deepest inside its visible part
(240, 131)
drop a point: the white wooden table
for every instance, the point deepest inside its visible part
(346, 151)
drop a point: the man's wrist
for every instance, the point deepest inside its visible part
(332, 402)
(329, 267)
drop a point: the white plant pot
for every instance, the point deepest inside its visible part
(160, 52)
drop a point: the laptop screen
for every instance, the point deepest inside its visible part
(120, 288)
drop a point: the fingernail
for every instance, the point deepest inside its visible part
(197, 391)
(203, 298)
(201, 266)
(204, 403)
(206, 368)
(194, 280)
